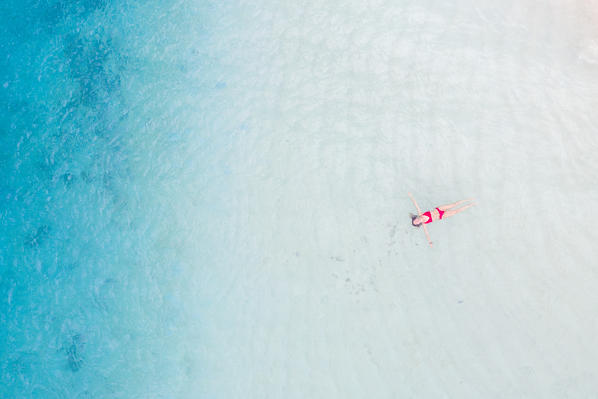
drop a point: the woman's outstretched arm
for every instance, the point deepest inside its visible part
(420, 213)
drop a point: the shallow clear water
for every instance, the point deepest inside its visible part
(209, 200)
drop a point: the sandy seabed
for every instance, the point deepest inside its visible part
(210, 200)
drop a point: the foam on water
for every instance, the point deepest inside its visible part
(209, 200)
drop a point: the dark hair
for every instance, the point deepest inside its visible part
(413, 217)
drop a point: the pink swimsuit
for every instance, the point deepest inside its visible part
(429, 215)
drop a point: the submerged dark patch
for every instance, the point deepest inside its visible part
(73, 353)
(38, 237)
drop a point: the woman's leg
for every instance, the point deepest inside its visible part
(449, 206)
(455, 211)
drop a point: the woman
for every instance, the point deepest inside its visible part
(439, 213)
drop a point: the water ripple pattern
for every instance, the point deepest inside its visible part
(205, 199)
(99, 134)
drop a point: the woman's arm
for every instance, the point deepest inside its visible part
(420, 213)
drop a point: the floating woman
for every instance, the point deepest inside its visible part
(439, 213)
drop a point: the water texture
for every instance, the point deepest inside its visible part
(91, 146)
(209, 199)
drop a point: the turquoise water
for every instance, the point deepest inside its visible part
(99, 131)
(209, 199)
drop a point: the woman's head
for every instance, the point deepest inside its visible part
(415, 220)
